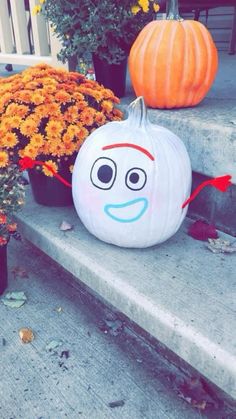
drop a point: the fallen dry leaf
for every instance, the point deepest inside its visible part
(20, 272)
(194, 391)
(14, 299)
(201, 230)
(200, 405)
(59, 309)
(115, 326)
(221, 246)
(117, 403)
(53, 345)
(3, 341)
(65, 354)
(26, 335)
(65, 226)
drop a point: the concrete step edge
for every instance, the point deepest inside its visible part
(218, 364)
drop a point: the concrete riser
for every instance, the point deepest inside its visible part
(214, 206)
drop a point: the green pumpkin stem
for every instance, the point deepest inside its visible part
(172, 10)
(138, 112)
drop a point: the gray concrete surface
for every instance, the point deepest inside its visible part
(208, 130)
(179, 292)
(215, 207)
(16, 69)
(100, 368)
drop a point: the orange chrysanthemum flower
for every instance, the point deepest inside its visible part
(52, 109)
(72, 131)
(3, 159)
(87, 117)
(25, 96)
(45, 111)
(28, 151)
(81, 104)
(82, 134)
(99, 118)
(3, 219)
(3, 131)
(32, 85)
(3, 241)
(29, 127)
(37, 140)
(118, 113)
(71, 115)
(11, 109)
(6, 98)
(12, 227)
(10, 140)
(107, 105)
(22, 110)
(69, 147)
(37, 98)
(6, 124)
(78, 96)
(62, 97)
(56, 148)
(15, 121)
(54, 128)
(52, 164)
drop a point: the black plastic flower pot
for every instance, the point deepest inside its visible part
(49, 191)
(112, 76)
(3, 268)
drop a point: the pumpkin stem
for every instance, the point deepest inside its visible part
(172, 10)
(138, 112)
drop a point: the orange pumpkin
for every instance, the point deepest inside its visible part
(173, 62)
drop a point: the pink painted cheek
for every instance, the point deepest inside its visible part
(91, 197)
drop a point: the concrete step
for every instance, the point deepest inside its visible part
(209, 134)
(210, 139)
(209, 129)
(99, 368)
(179, 292)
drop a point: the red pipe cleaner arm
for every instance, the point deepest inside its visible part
(28, 163)
(221, 183)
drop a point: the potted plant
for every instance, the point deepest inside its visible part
(104, 30)
(46, 114)
(11, 200)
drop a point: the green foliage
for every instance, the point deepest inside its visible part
(107, 28)
(11, 200)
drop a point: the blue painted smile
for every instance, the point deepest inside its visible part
(121, 212)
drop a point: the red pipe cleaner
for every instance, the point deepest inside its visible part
(221, 183)
(28, 163)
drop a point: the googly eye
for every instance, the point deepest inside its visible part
(103, 173)
(135, 179)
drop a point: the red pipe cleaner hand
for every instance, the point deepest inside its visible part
(221, 183)
(28, 163)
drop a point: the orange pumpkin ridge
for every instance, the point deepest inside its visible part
(173, 62)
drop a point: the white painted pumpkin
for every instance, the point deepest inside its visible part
(130, 180)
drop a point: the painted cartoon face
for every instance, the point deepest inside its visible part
(103, 175)
(115, 183)
(121, 187)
